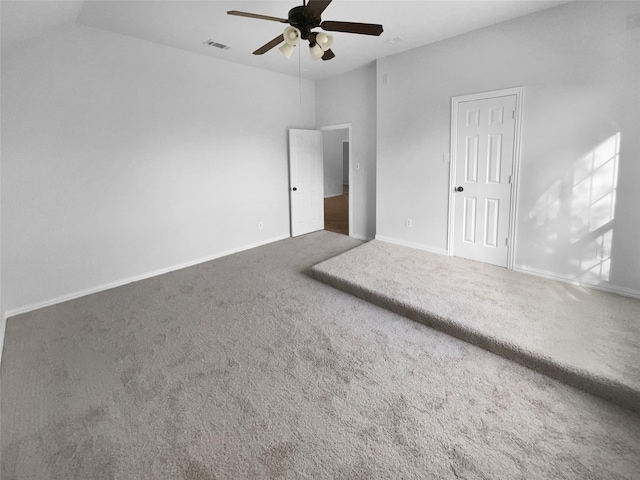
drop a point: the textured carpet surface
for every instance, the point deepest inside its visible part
(246, 367)
(587, 338)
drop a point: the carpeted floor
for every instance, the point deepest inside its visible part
(586, 338)
(246, 367)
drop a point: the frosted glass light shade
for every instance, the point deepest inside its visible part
(324, 40)
(316, 51)
(287, 49)
(291, 35)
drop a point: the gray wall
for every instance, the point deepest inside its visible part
(351, 98)
(122, 158)
(332, 142)
(580, 67)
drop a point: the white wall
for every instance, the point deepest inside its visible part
(332, 142)
(3, 320)
(351, 98)
(580, 66)
(121, 158)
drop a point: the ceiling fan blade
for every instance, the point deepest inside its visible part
(315, 7)
(255, 15)
(269, 45)
(351, 27)
(328, 55)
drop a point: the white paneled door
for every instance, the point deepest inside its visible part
(483, 172)
(306, 181)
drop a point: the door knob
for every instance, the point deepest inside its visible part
(294, 189)
(460, 189)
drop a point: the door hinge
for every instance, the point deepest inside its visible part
(506, 241)
(513, 115)
(509, 179)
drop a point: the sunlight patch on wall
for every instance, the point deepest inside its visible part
(576, 213)
(595, 180)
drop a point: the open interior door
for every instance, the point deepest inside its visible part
(306, 181)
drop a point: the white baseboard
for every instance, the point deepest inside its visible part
(361, 237)
(404, 243)
(119, 283)
(627, 292)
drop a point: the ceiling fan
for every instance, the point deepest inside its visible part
(302, 20)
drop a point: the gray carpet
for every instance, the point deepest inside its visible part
(246, 367)
(586, 338)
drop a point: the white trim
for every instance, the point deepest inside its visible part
(515, 175)
(346, 126)
(361, 237)
(340, 126)
(144, 276)
(627, 292)
(3, 328)
(418, 246)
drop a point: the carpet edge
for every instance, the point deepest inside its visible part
(606, 388)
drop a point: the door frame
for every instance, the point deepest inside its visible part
(515, 175)
(346, 126)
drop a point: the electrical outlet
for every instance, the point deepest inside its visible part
(408, 223)
(260, 225)
(357, 166)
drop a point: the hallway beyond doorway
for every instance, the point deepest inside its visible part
(336, 212)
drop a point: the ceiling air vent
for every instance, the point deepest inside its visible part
(221, 46)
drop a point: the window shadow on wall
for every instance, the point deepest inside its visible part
(577, 214)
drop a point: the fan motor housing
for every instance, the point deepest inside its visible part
(299, 18)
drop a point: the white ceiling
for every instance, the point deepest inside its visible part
(187, 24)
(23, 20)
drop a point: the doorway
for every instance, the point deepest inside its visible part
(337, 178)
(485, 138)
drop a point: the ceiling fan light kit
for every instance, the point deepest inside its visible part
(302, 20)
(316, 51)
(287, 49)
(324, 40)
(291, 35)
(319, 44)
